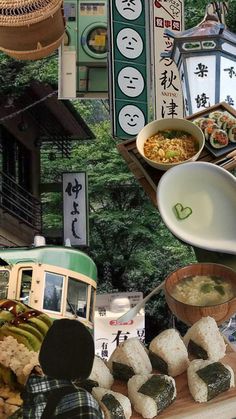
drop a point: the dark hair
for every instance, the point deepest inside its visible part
(67, 350)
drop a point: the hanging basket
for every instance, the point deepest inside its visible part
(31, 29)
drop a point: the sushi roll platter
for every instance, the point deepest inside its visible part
(219, 128)
(174, 378)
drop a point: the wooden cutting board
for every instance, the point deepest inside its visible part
(184, 407)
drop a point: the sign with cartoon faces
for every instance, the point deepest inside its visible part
(130, 81)
(129, 43)
(129, 9)
(131, 119)
(128, 66)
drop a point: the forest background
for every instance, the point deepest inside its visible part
(132, 248)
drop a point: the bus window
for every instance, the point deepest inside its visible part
(91, 311)
(53, 287)
(76, 302)
(4, 280)
(26, 279)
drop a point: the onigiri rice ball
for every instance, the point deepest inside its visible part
(100, 376)
(204, 340)
(128, 359)
(113, 404)
(168, 353)
(207, 379)
(150, 394)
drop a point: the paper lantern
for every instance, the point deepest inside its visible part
(206, 59)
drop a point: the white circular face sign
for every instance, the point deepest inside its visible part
(130, 81)
(129, 9)
(129, 43)
(131, 119)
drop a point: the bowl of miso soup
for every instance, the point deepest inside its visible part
(200, 290)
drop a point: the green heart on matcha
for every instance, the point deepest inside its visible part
(182, 212)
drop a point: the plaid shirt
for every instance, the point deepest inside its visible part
(35, 396)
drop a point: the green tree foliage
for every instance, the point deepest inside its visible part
(131, 247)
(16, 75)
(231, 16)
(194, 12)
(196, 9)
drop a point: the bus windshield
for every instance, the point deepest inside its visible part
(77, 298)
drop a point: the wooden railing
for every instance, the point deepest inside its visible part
(20, 203)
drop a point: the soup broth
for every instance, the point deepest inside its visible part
(203, 290)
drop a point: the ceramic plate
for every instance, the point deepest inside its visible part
(210, 192)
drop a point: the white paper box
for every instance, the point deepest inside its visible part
(108, 332)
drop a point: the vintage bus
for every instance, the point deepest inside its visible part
(58, 280)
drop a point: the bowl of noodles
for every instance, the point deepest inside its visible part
(165, 143)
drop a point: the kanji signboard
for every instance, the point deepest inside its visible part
(167, 14)
(75, 208)
(128, 66)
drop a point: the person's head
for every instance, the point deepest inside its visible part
(67, 350)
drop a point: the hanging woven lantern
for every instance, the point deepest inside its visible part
(31, 29)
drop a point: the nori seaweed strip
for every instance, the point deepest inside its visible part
(122, 371)
(160, 390)
(88, 384)
(217, 378)
(158, 363)
(197, 350)
(115, 409)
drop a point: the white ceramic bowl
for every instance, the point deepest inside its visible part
(210, 192)
(171, 124)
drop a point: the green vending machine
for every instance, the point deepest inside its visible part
(86, 32)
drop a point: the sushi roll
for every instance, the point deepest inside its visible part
(223, 119)
(209, 129)
(229, 124)
(207, 379)
(128, 359)
(197, 121)
(151, 394)
(113, 404)
(161, 351)
(232, 133)
(215, 115)
(218, 138)
(206, 122)
(100, 376)
(203, 340)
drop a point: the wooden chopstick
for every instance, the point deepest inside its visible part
(225, 159)
(231, 154)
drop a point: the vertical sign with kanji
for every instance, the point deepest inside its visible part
(75, 208)
(167, 14)
(128, 66)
